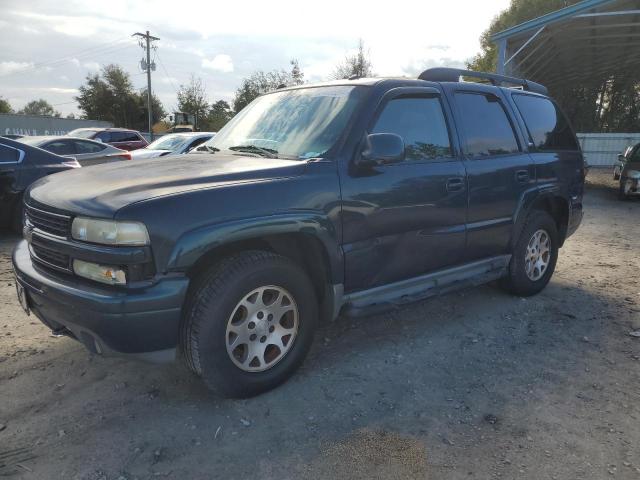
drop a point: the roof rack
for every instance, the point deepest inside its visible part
(442, 74)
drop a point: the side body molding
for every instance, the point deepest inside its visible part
(196, 243)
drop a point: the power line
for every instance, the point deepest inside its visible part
(107, 47)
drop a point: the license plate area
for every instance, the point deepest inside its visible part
(23, 297)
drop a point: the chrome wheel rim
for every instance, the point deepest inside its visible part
(262, 328)
(538, 255)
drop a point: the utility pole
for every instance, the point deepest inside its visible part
(148, 66)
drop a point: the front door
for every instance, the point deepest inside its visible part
(405, 219)
(499, 171)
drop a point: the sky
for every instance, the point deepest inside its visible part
(47, 48)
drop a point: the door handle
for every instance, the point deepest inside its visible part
(522, 176)
(455, 184)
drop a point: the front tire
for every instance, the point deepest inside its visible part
(534, 257)
(249, 323)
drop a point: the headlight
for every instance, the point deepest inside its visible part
(633, 174)
(109, 232)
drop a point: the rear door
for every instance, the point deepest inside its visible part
(404, 219)
(90, 153)
(553, 146)
(499, 170)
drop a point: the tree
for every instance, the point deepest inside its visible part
(219, 114)
(192, 98)
(39, 107)
(356, 65)
(5, 106)
(261, 82)
(109, 95)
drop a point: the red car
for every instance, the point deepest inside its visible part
(118, 137)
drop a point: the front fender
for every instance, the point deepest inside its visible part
(194, 244)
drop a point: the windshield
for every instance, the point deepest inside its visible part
(295, 124)
(82, 133)
(168, 142)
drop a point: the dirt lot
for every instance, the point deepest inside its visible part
(475, 384)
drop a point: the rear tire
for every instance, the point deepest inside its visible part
(249, 323)
(534, 256)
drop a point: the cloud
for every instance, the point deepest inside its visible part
(10, 67)
(220, 63)
(94, 66)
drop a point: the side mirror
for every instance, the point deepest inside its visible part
(620, 157)
(382, 149)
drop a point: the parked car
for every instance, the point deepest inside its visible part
(174, 143)
(87, 152)
(12, 136)
(627, 172)
(118, 137)
(348, 198)
(21, 165)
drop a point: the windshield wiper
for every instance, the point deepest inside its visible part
(209, 148)
(265, 152)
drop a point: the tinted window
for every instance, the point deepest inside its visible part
(548, 127)
(486, 127)
(634, 155)
(104, 136)
(88, 147)
(421, 124)
(124, 137)
(8, 154)
(61, 147)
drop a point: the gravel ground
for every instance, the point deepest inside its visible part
(475, 384)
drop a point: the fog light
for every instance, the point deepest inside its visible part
(100, 273)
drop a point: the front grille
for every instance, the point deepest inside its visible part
(48, 222)
(44, 254)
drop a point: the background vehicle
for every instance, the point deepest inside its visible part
(118, 137)
(346, 197)
(86, 152)
(21, 165)
(628, 172)
(174, 143)
(12, 136)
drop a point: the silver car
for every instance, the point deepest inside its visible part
(86, 152)
(172, 144)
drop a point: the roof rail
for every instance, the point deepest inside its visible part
(442, 74)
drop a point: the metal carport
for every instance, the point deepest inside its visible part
(586, 41)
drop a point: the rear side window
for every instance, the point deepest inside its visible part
(124, 137)
(88, 147)
(548, 128)
(485, 125)
(421, 124)
(9, 155)
(61, 147)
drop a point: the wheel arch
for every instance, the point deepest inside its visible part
(307, 240)
(551, 202)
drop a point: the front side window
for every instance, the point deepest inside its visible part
(548, 128)
(295, 124)
(105, 137)
(485, 125)
(421, 124)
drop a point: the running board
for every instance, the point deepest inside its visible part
(393, 295)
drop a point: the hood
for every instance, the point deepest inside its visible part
(147, 153)
(102, 190)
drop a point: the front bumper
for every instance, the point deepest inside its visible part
(143, 322)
